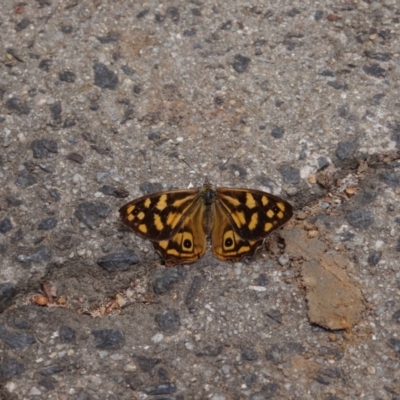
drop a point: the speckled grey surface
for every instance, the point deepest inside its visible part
(99, 99)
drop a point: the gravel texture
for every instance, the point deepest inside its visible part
(102, 101)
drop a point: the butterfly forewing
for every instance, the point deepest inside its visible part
(253, 213)
(158, 216)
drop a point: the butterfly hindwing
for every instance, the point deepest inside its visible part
(227, 244)
(188, 243)
(158, 216)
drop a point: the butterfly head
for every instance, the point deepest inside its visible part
(207, 193)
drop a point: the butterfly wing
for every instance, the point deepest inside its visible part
(172, 221)
(243, 218)
(188, 243)
(158, 216)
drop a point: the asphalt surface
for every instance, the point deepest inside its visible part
(102, 101)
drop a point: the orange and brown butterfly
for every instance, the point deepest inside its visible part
(178, 222)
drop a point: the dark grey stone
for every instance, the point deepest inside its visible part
(346, 236)
(294, 348)
(109, 190)
(53, 369)
(169, 321)
(378, 56)
(277, 132)
(67, 76)
(47, 224)
(396, 317)
(394, 343)
(121, 260)
(111, 38)
(128, 114)
(5, 225)
(360, 218)
(105, 78)
(262, 280)
(249, 354)
(193, 291)
(345, 150)
(56, 110)
(164, 279)
(46, 168)
(163, 388)
(13, 202)
(322, 380)
(375, 70)
(250, 379)
(163, 374)
(326, 72)
(55, 194)
(17, 341)
(47, 382)
(290, 174)
(154, 135)
(10, 367)
(210, 351)
(173, 14)
(391, 179)
(159, 17)
(318, 15)
(275, 315)
(109, 339)
(274, 354)
(226, 25)
(240, 63)
(69, 123)
(142, 13)
(376, 99)
(150, 187)
(146, 364)
(39, 254)
(91, 214)
(67, 334)
(374, 258)
(137, 89)
(75, 157)
(23, 24)
(338, 85)
(25, 180)
(133, 381)
(42, 148)
(18, 106)
(45, 64)
(322, 163)
(7, 294)
(331, 372)
(396, 135)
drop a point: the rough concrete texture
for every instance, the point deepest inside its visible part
(101, 102)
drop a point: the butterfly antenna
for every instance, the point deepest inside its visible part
(239, 153)
(183, 160)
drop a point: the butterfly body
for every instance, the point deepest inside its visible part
(178, 222)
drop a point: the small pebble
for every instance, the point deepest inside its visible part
(283, 259)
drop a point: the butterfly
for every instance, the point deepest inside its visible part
(178, 222)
